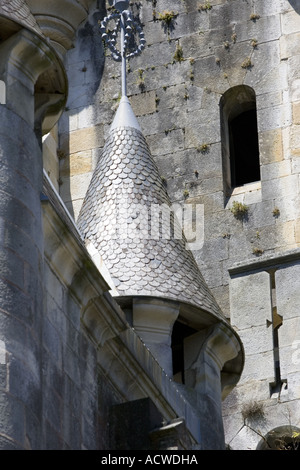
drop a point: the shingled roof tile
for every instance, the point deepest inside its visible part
(128, 181)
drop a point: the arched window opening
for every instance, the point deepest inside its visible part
(240, 149)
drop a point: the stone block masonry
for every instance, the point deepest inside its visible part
(21, 288)
(21, 244)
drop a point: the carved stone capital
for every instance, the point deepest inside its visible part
(206, 354)
(153, 320)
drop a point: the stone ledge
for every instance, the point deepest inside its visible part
(265, 262)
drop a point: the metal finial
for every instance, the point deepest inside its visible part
(128, 27)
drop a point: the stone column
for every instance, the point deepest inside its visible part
(153, 320)
(206, 352)
(22, 58)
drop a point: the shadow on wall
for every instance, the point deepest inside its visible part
(296, 5)
(85, 70)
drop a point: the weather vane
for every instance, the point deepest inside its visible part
(128, 29)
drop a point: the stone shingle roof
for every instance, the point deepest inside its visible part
(115, 218)
(18, 10)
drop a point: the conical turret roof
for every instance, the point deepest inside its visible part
(115, 218)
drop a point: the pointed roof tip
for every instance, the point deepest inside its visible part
(125, 116)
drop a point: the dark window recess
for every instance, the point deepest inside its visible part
(244, 150)
(180, 332)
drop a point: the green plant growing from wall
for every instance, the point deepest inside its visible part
(204, 6)
(247, 64)
(254, 16)
(276, 212)
(239, 210)
(167, 18)
(226, 235)
(257, 251)
(253, 410)
(186, 193)
(178, 56)
(203, 148)
(254, 43)
(141, 79)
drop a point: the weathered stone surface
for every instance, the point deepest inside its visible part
(250, 309)
(144, 104)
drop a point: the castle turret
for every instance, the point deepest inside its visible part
(127, 217)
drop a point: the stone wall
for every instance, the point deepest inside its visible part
(267, 396)
(69, 380)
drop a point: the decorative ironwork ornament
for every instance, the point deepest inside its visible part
(129, 30)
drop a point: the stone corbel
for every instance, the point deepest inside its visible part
(206, 353)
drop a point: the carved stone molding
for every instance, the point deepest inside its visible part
(59, 19)
(206, 354)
